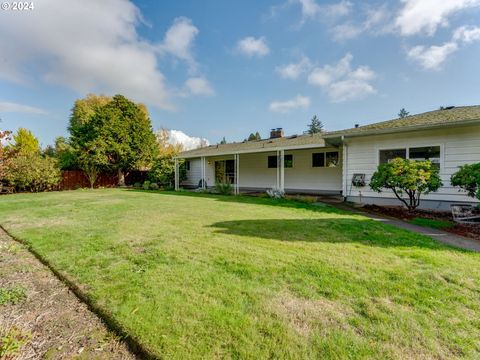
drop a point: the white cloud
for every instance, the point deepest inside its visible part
(199, 86)
(294, 70)
(177, 137)
(346, 32)
(425, 16)
(311, 10)
(298, 102)
(251, 46)
(178, 41)
(341, 82)
(93, 47)
(467, 34)
(20, 108)
(431, 58)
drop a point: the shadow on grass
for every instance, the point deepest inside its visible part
(248, 199)
(340, 230)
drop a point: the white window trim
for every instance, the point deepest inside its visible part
(407, 148)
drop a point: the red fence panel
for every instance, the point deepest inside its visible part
(76, 179)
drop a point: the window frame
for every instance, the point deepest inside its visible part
(408, 147)
(338, 159)
(268, 161)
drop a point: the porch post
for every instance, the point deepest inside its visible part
(202, 171)
(237, 174)
(277, 184)
(282, 170)
(177, 175)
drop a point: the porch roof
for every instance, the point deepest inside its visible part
(286, 143)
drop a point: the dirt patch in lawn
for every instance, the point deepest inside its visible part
(305, 315)
(470, 231)
(41, 318)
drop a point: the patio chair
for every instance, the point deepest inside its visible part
(463, 213)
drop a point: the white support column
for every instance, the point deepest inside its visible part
(203, 172)
(237, 174)
(277, 183)
(177, 175)
(282, 170)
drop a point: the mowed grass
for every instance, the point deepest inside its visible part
(199, 276)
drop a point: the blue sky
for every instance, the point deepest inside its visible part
(225, 68)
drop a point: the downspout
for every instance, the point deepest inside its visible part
(345, 169)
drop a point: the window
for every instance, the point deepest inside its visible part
(318, 159)
(331, 158)
(431, 153)
(187, 165)
(388, 155)
(288, 161)
(272, 162)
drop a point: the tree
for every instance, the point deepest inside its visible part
(25, 142)
(5, 152)
(162, 171)
(116, 129)
(33, 172)
(411, 177)
(224, 141)
(254, 137)
(65, 154)
(315, 126)
(468, 179)
(403, 113)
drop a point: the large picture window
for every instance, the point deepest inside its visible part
(421, 153)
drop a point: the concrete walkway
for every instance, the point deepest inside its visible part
(439, 235)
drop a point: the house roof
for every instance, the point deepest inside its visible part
(450, 116)
(295, 141)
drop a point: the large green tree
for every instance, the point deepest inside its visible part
(5, 152)
(468, 179)
(116, 132)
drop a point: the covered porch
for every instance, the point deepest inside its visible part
(316, 170)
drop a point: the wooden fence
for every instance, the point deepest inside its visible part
(75, 179)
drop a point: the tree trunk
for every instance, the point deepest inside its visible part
(121, 178)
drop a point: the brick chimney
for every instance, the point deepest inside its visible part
(276, 133)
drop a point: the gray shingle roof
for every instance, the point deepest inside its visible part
(436, 118)
(257, 146)
(432, 119)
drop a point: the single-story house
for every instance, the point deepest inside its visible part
(332, 162)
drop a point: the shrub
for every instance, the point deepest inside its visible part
(163, 171)
(411, 177)
(137, 185)
(33, 172)
(146, 185)
(154, 186)
(468, 179)
(276, 193)
(224, 188)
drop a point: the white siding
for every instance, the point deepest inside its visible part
(194, 174)
(458, 147)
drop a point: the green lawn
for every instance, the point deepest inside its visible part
(198, 276)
